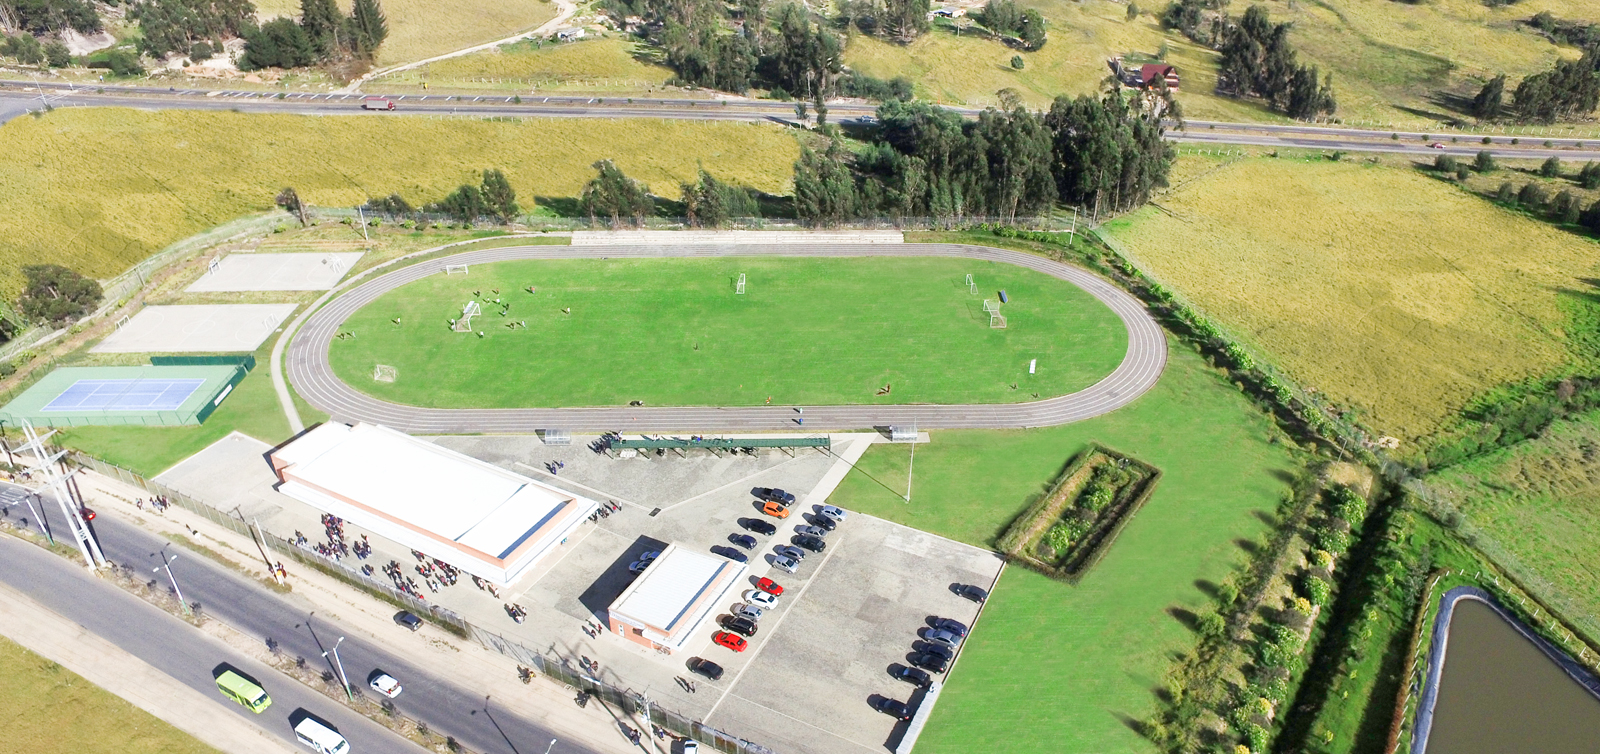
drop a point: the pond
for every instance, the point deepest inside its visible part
(1500, 693)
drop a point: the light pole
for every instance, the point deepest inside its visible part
(551, 746)
(340, 666)
(166, 565)
(911, 467)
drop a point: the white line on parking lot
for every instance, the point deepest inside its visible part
(802, 722)
(740, 480)
(608, 495)
(775, 624)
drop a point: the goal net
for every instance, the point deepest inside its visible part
(384, 373)
(739, 289)
(213, 265)
(997, 321)
(451, 269)
(971, 286)
(464, 324)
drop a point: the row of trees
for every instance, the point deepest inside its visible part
(1006, 18)
(1257, 60)
(926, 161)
(322, 35)
(900, 20)
(1570, 89)
(493, 197)
(50, 16)
(195, 28)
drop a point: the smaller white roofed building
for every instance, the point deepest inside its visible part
(673, 597)
(478, 517)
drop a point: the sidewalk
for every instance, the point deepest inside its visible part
(111, 668)
(442, 654)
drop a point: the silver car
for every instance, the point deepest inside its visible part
(835, 513)
(743, 610)
(940, 636)
(811, 531)
(791, 552)
(788, 565)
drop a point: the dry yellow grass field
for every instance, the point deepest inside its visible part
(101, 189)
(597, 58)
(1389, 291)
(420, 29)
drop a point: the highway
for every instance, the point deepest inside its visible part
(191, 657)
(312, 375)
(18, 97)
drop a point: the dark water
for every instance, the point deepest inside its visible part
(1499, 694)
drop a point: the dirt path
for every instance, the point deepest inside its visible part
(567, 8)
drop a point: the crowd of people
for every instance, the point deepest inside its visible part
(158, 503)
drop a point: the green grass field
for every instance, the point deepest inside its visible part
(673, 332)
(420, 29)
(1056, 668)
(42, 699)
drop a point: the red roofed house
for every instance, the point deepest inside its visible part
(1149, 73)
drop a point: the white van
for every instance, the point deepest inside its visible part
(321, 738)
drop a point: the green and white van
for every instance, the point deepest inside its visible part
(241, 690)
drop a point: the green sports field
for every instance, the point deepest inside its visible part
(673, 332)
(1058, 668)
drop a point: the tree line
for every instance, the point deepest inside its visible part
(194, 28)
(321, 35)
(1257, 58)
(1571, 89)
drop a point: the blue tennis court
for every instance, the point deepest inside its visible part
(125, 395)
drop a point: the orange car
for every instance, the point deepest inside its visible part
(775, 510)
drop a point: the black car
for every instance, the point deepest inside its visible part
(706, 668)
(974, 593)
(408, 620)
(913, 676)
(814, 544)
(741, 626)
(929, 662)
(731, 554)
(758, 526)
(743, 540)
(893, 708)
(952, 625)
(824, 523)
(773, 495)
(934, 648)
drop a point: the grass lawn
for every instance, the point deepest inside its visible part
(1059, 668)
(672, 332)
(1391, 292)
(99, 189)
(420, 29)
(600, 64)
(40, 698)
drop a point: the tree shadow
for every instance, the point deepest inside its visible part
(562, 206)
(1250, 547)
(1187, 617)
(1209, 588)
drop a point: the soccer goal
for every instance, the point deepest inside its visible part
(335, 265)
(122, 321)
(451, 269)
(739, 287)
(464, 324)
(997, 321)
(214, 264)
(971, 286)
(384, 373)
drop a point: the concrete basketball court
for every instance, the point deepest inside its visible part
(277, 272)
(204, 328)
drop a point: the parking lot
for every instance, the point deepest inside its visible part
(819, 655)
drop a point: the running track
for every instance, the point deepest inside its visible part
(312, 376)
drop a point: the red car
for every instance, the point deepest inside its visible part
(770, 587)
(731, 641)
(1436, 145)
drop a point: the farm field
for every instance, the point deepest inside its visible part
(1533, 508)
(673, 332)
(420, 29)
(39, 696)
(1389, 60)
(1059, 668)
(1392, 293)
(98, 190)
(598, 64)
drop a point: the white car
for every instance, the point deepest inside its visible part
(837, 514)
(385, 684)
(760, 599)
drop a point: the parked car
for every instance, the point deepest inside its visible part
(814, 544)
(952, 625)
(893, 708)
(785, 564)
(811, 531)
(931, 648)
(405, 618)
(706, 668)
(770, 587)
(637, 567)
(741, 626)
(938, 636)
(774, 495)
(930, 663)
(758, 526)
(824, 523)
(384, 683)
(974, 593)
(913, 676)
(790, 551)
(775, 510)
(743, 540)
(731, 554)
(747, 610)
(760, 599)
(833, 512)
(690, 746)
(731, 641)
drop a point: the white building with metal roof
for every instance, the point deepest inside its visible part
(664, 606)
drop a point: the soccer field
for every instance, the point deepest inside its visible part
(674, 332)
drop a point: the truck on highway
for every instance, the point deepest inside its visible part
(377, 103)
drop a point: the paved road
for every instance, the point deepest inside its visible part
(171, 646)
(16, 97)
(313, 378)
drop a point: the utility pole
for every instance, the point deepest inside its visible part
(340, 666)
(911, 467)
(56, 482)
(166, 563)
(363, 217)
